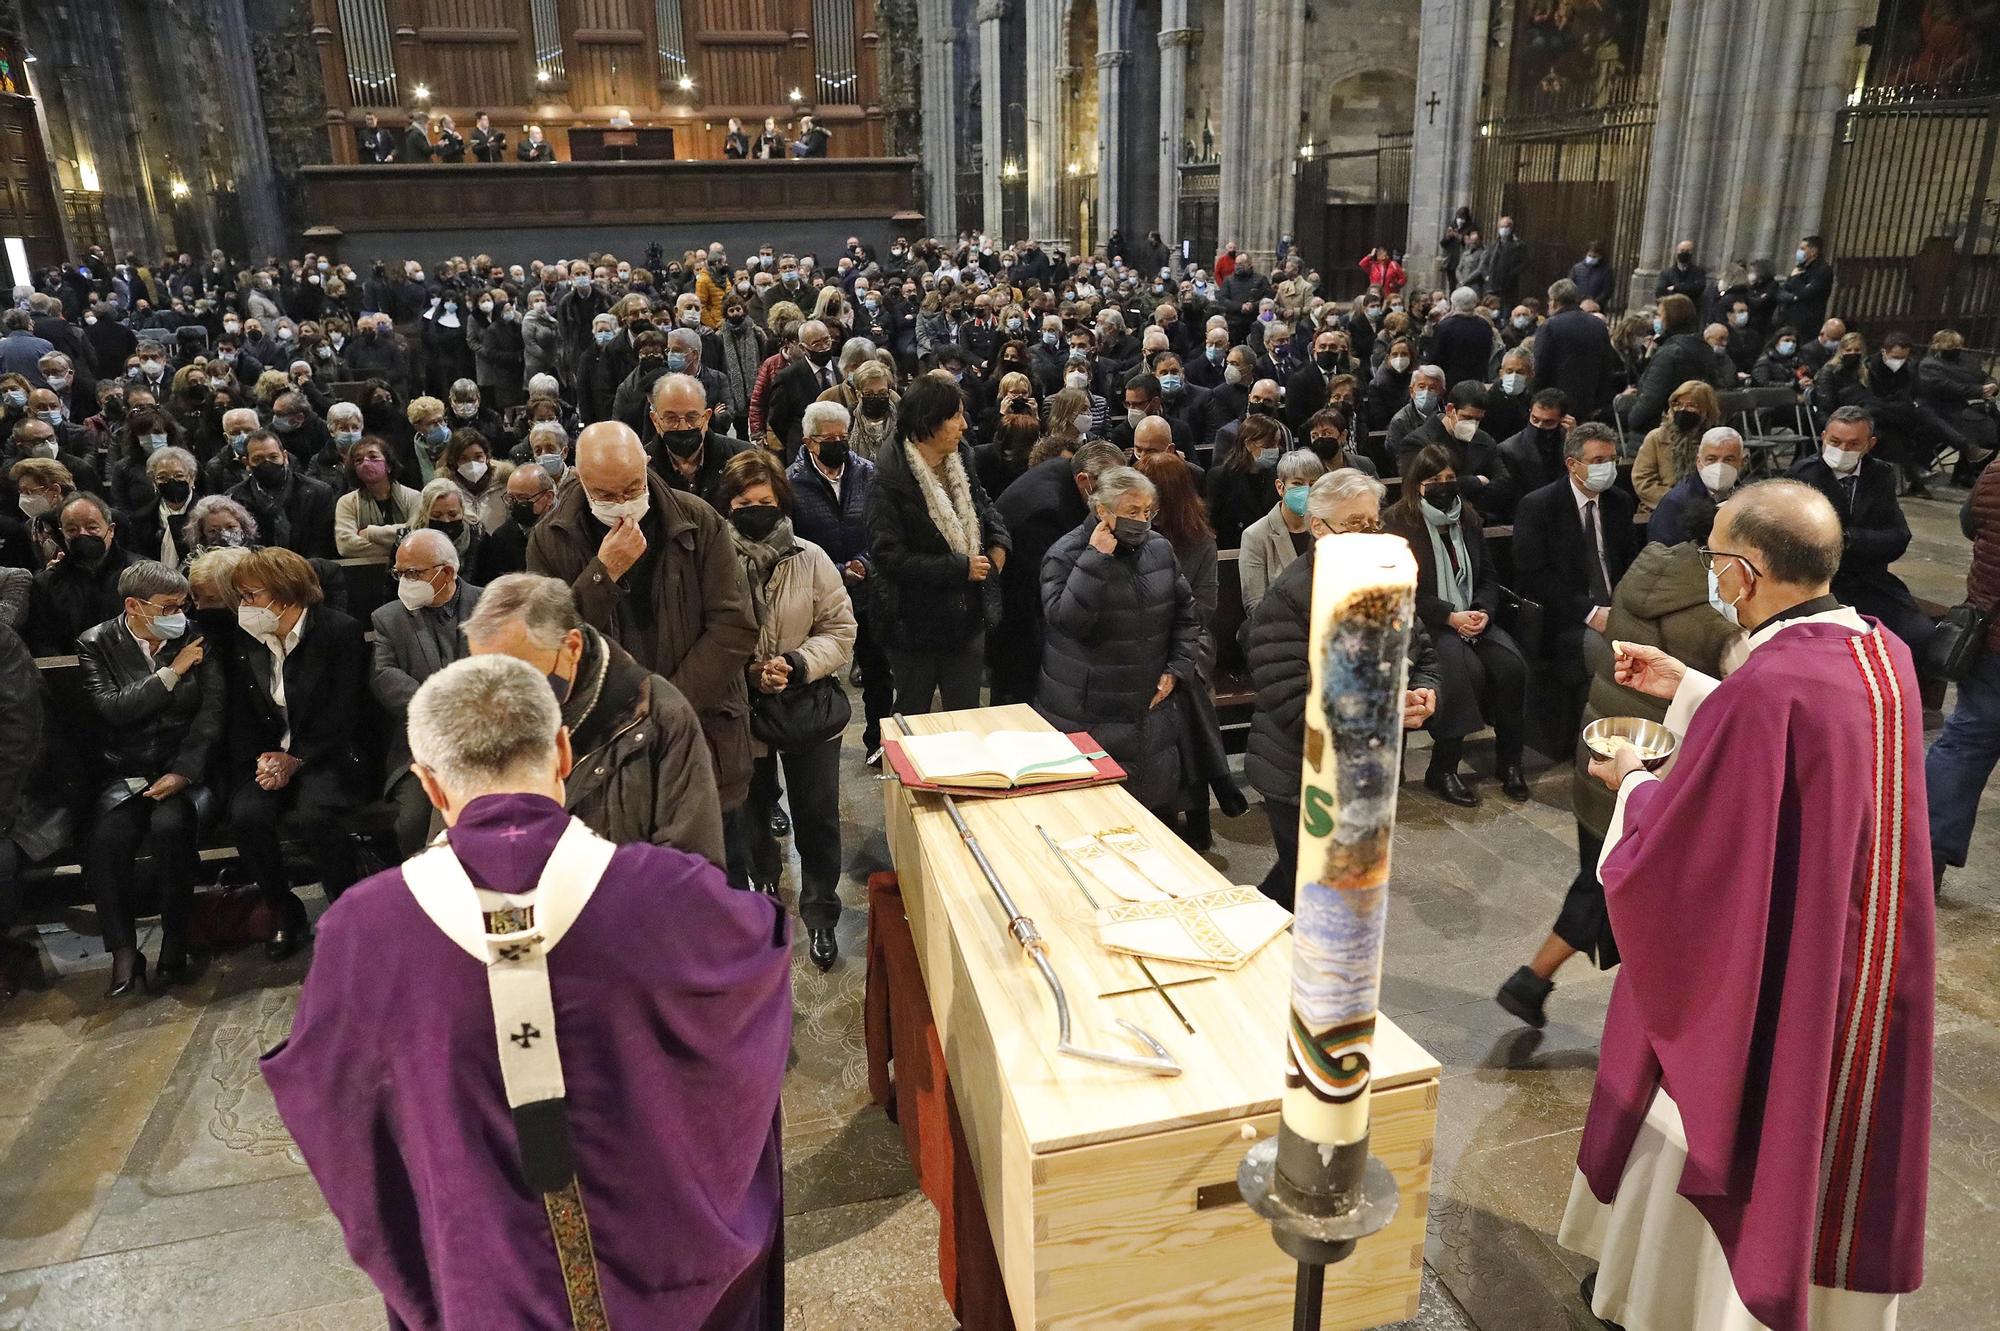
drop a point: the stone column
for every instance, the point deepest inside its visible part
(1451, 70)
(1263, 77)
(1111, 67)
(1176, 37)
(940, 115)
(249, 137)
(993, 109)
(1741, 195)
(1045, 119)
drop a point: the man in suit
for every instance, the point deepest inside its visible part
(1573, 541)
(1142, 401)
(1306, 390)
(292, 509)
(1802, 296)
(1862, 490)
(799, 384)
(1462, 343)
(374, 143)
(417, 145)
(1482, 478)
(1510, 258)
(416, 635)
(488, 143)
(293, 678)
(1573, 352)
(1534, 456)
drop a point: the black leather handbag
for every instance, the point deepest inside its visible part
(802, 717)
(1523, 619)
(1954, 650)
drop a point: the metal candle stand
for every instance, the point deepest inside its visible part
(1319, 1205)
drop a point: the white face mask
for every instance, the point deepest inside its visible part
(1598, 476)
(1076, 381)
(1719, 477)
(1464, 430)
(1133, 416)
(608, 514)
(415, 594)
(472, 471)
(1840, 459)
(1727, 609)
(259, 621)
(1895, 362)
(1399, 363)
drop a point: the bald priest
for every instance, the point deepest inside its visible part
(536, 1075)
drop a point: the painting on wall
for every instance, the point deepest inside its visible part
(1567, 50)
(1935, 41)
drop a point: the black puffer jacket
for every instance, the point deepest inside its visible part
(1280, 631)
(1114, 624)
(1675, 361)
(923, 600)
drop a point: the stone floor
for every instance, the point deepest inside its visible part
(146, 1182)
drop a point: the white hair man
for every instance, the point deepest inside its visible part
(528, 1028)
(1718, 466)
(416, 635)
(644, 773)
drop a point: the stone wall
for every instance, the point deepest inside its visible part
(900, 61)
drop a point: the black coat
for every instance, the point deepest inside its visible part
(146, 729)
(1434, 610)
(1460, 346)
(326, 681)
(1114, 624)
(1235, 500)
(1531, 461)
(922, 598)
(1479, 456)
(299, 517)
(1276, 651)
(1039, 509)
(1877, 534)
(69, 598)
(837, 526)
(1550, 563)
(1802, 297)
(1682, 357)
(22, 718)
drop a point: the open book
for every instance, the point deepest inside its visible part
(996, 761)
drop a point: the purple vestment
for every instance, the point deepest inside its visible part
(1772, 901)
(673, 1003)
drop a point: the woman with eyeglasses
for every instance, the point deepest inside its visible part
(1485, 676)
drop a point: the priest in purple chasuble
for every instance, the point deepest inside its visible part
(536, 1075)
(1767, 1054)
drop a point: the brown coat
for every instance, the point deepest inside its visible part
(701, 633)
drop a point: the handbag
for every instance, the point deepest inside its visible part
(802, 717)
(1954, 650)
(1522, 618)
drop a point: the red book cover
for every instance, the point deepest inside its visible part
(1108, 771)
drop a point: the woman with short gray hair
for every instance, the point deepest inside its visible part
(218, 522)
(1123, 636)
(159, 530)
(1276, 539)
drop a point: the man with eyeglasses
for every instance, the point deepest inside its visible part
(416, 635)
(687, 454)
(1340, 503)
(1768, 1048)
(800, 384)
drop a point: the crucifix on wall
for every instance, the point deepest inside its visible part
(1432, 106)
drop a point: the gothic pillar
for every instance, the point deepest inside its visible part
(1045, 119)
(993, 110)
(249, 139)
(1451, 70)
(1741, 196)
(1112, 65)
(1176, 39)
(1263, 73)
(940, 115)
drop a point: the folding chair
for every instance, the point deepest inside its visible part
(1746, 409)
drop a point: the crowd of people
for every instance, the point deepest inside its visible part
(430, 138)
(706, 497)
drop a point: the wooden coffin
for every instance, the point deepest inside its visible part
(1110, 1193)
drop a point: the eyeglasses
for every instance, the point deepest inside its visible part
(417, 574)
(685, 420)
(1708, 558)
(1359, 527)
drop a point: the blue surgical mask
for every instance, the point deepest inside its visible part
(1599, 476)
(1799, 255)
(1726, 609)
(346, 439)
(1659, 326)
(1295, 499)
(1425, 399)
(1051, 339)
(437, 434)
(169, 627)
(552, 463)
(1215, 354)
(604, 336)
(1787, 348)
(677, 362)
(1170, 383)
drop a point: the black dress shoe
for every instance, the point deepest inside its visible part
(781, 822)
(1451, 787)
(134, 981)
(1523, 996)
(1589, 1290)
(174, 967)
(821, 948)
(1514, 782)
(294, 932)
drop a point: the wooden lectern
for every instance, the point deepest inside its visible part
(621, 145)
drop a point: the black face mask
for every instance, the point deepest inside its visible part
(1851, 359)
(1020, 406)
(736, 320)
(683, 444)
(1549, 434)
(86, 551)
(270, 475)
(1442, 495)
(1130, 533)
(1328, 359)
(450, 530)
(1262, 409)
(874, 406)
(819, 358)
(1685, 420)
(1325, 447)
(756, 521)
(524, 514)
(833, 454)
(175, 492)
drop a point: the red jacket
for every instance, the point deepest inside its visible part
(1384, 273)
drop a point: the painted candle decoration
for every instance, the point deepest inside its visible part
(1363, 606)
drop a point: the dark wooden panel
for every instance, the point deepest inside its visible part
(357, 198)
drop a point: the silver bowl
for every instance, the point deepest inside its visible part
(1654, 741)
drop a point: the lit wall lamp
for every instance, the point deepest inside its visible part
(1009, 170)
(422, 92)
(178, 188)
(1074, 169)
(795, 96)
(687, 84)
(541, 76)
(1306, 151)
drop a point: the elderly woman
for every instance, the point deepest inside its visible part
(295, 676)
(1666, 457)
(371, 517)
(469, 462)
(157, 528)
(1485, 675)
(81, 589)
(159, 707)
(41, 487)
(937, 542)
(1338, 503)
(429, 435)
(1662, 601)
(217, 522)
(441, 506)
(805, 638)
(1280, 536)
(1122, 634)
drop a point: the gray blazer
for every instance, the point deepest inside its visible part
(1266, 550)
(407, 653)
